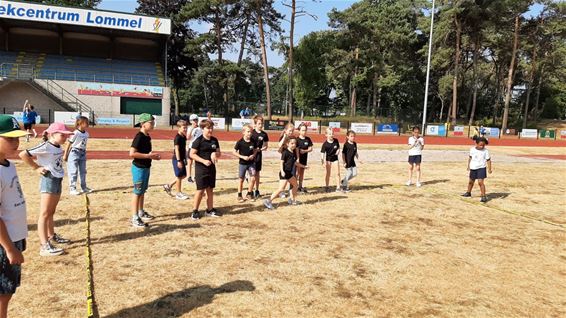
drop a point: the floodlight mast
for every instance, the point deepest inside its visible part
(428, 67)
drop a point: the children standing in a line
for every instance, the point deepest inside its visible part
(193, 132)
(349, 156)
(179, 161)
(477, 162)
(286, 173)
(246, 149)
(304, 144)
(329, 155)
(49, 165)
(416, 146)
(141, 152)
(13, 221)
(261, 139)
(75, 155)
(205, 151)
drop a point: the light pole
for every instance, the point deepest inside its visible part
(428, 67)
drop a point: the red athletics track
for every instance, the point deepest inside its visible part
(129, 133)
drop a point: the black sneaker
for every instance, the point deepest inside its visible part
(327, 189)
(146, 216)
(195, 215)
(190, 180)
(467, 195)
(483, 199)
(213, 213)
(137, 222)
(257, 194)
(58, 239)
(250, 196)
(303, 190)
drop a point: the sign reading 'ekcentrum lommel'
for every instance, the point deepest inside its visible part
(84, 17)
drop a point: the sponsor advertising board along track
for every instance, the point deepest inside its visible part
(85, 17)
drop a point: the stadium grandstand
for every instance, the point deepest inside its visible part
(108, 65)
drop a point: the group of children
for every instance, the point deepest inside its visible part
(203, 151)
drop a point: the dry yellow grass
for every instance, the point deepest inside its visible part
(382, 250)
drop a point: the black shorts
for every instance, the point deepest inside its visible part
(28, 126)
(10, 275)
(303, 159)
(415, 159)
(179, 173)
(205, 177)
(258, 160)
(288, 175)
(480, 174)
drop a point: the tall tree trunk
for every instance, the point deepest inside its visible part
(537, 96)
(244, 38)
(374, 97)
(529, 86)
(511, 74)
(290, 83)
(441, 108)
(218, 27)
(353, 100)
(175, 92)
(368, 105)
(475, 81)
(265, 65)
(454, 106)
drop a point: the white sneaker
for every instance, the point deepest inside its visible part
(408, 183)
(87, 190)
(268, 204)
(74, 192)
(282, 195)
(418, 184)
(293, 202)
(49, 250)
(167, 188)
(181, 196)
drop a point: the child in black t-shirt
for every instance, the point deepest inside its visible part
(304, 144)
(329, 155)
(262, 140)
(286, 174)
(142, 153)
(349, 156)
(179, 161)
(205, 151)
(246, 149)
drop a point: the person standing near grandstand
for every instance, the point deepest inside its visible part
(478, 161)
(29, 115)
(304, 144)
(13, 219)
(349, 156)
(193, 133)
(287, 173)
(416, 146)
(246, 150)
(179, 161)
(261, 139)
(328, 156)
(205, 151)
(75, 155)
(142, 153)
(49, 165)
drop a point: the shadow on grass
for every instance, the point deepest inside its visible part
(498, 195)
(63, 222)
(258, 206)
(184, 301)
(434, 181)
(153, 229)
(128, 187)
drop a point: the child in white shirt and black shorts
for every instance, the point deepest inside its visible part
(479, 164)
(416, 146)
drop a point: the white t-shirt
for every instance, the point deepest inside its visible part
(417, 149)
(79, 139)
(49, 156)
(479, 158)
(195, 133)
(12, 203)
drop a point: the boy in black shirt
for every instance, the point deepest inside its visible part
(205, 151)
(329, 155)
(246, 149)
(179, 160)
(349, 154)
(304, 143)
(261, 139)
(286, 175)
(142, 153)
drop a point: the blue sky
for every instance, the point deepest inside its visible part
(303, 26)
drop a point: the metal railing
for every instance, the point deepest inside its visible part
(17, 71)
(62, 94)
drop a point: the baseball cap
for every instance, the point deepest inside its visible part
(9, 127)
(58, 128)
(145, 117)
(193, 117)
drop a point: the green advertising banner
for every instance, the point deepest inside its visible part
(547, 134)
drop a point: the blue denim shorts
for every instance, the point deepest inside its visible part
(242, 169)
(140, 177)
(50, 184)
(10, 275)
